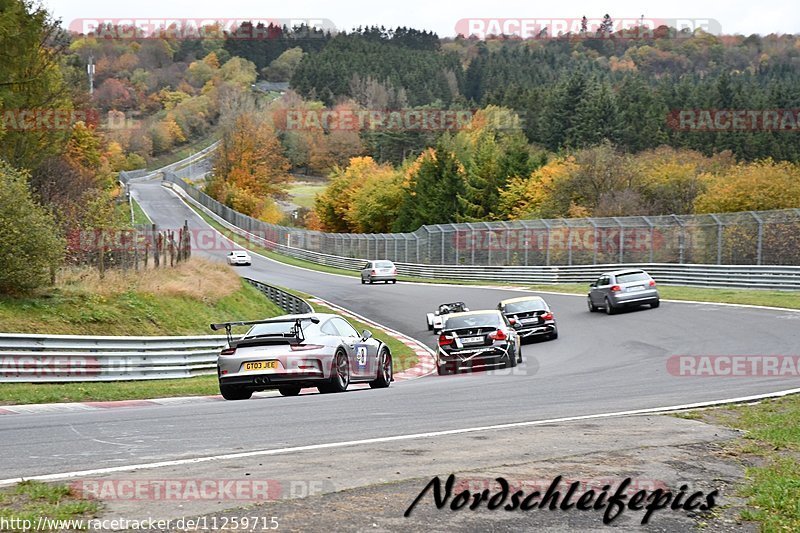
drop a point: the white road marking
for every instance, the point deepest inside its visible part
(377, 440)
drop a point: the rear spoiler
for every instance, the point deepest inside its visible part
(297, 328)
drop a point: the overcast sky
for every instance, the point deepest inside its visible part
(763, 17)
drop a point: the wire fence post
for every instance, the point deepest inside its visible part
(760, 236)
(719, 238)
(547, 238)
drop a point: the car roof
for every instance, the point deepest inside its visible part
(470, 313)
(520, 299)
(624, 271)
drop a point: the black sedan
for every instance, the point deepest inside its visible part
(477, 339)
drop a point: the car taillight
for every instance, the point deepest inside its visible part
(373, 272)
(498, 335)
(394, 270)
(616, 288)
(547, 316)
(304, 347)
(652, 283)
(445, 340)
(228, 351)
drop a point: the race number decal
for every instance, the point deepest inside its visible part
(361, 355)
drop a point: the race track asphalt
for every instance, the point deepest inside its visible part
(599, 364)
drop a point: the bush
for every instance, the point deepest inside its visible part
(29, 243)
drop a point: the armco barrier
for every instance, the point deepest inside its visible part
(701, 275)
(28, 358)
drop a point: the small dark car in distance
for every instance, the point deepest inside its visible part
(622, 288)
(477, 339)
(533, 316)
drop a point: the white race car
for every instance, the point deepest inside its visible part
(436, 319)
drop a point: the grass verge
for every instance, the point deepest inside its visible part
(182, 153)
(303, 193)
(786, 299)
(181, 300)
(27, 502)
(30, 393)
(770, 450)
(139, 216)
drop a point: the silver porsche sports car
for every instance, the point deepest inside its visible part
(295, 351)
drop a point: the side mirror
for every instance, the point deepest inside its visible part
(366, 334)
(593, 284)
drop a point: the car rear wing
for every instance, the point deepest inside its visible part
(295, 332)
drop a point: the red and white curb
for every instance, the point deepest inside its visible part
(425, 365)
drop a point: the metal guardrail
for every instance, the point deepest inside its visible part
(288, 302)
(701, 275)
(29, 358)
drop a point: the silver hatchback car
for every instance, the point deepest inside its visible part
(382, 270)
(622, 288)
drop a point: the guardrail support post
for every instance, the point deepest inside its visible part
(760, 236)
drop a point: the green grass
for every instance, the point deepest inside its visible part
(183, 152)
(131, 312)
(139, 216)
(30, 393)
(303, 193)
(772, 445)
(31, 500)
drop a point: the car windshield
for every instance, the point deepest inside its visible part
(472, 321)
(633, 276)
(384, 264)
(240, 254)
(525, 306)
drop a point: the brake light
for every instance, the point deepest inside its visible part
(373, 272)
(445, 340)
(498, 335)
(652, 283)
(616, 288)
(547, 316)
(228, 351)
(394, 270)
(304, 347)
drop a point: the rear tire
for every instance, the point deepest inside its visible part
(655, 304)
(394, 281)
(362, 281)
(232, 393)
(430, 326)
(592, 307)
(289, 390)
(385, 370)
(444, 369)
(610, 310)
(553, 336)
(340, 375)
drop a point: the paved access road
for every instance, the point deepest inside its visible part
(599, 364)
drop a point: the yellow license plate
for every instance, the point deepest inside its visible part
(260, 365)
